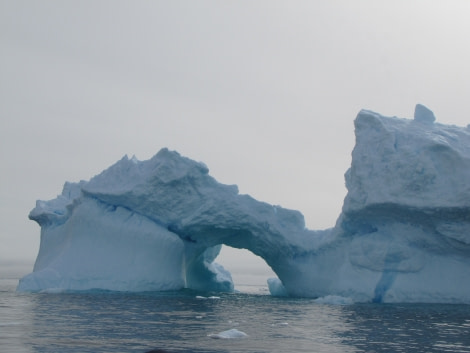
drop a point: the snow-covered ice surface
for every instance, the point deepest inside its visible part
(403, 234)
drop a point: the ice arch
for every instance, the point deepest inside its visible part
(179, 195)
(157, 224)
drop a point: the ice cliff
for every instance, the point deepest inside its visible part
(403, 234)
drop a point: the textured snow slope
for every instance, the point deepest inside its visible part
(403, 234)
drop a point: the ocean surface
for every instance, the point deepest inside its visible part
(188, 321)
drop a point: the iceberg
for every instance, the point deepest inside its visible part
(403, 234)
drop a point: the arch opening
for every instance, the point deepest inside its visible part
(249, 272)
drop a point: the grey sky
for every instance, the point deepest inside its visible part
(263, 92)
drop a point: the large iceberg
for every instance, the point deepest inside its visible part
(403, 234)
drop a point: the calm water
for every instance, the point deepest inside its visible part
(182, 322)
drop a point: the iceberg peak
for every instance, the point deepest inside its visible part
(424, 114)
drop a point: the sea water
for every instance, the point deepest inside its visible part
(188, 321)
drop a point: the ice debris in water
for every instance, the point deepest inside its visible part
(232, 333)
(280, 324)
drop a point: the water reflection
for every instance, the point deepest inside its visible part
(182, 322)
(409, 327)
(114, 321)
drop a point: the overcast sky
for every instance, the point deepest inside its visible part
(263, 92)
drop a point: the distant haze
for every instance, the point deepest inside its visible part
(263, 92)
